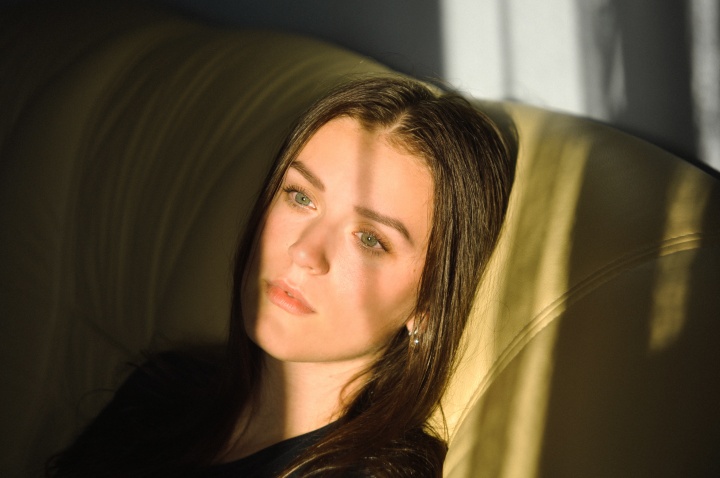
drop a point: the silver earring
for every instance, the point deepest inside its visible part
(414, 339)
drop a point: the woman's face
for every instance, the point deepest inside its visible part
(336, 267)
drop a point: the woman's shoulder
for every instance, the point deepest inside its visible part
(185, 367)
(168, 378)
(152, 413)
(163, 386)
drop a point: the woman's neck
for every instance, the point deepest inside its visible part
(293, 399)
(301, 397)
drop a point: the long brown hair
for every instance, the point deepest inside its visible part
(384, 430)
(472, 164)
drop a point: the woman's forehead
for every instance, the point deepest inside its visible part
(351, 163)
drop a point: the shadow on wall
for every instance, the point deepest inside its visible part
(404, 37)
(641, 60)
(637, 55)
(643, 73)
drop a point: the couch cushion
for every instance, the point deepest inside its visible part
(133, 152)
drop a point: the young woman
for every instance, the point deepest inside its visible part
(353, 284)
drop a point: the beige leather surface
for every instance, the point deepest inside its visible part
(594, 349)
(131, 144)
(126, 171)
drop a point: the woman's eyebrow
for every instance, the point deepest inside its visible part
(362, 211)
(382, 219)
(307, 174)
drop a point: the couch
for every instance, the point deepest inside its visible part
(132, 141)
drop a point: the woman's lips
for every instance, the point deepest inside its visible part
(287, 298)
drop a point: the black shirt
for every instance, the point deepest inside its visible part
(140, 424)
(270, 461)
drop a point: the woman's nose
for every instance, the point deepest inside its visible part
(310, 249)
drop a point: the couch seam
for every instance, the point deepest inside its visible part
(582, 288)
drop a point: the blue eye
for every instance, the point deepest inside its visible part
(296, 197)
(372, 243)
(301, 199)
(369, 240)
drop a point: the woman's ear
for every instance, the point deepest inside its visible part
(416, 323)
(410, 325)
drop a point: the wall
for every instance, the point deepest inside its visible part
(651, 68)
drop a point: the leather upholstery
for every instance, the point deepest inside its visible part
(132, 143)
